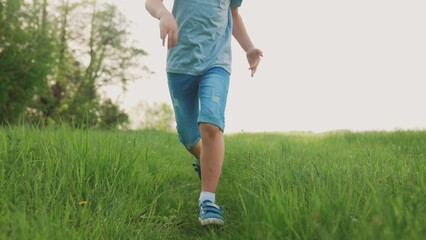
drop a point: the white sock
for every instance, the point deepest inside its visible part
(207, 196)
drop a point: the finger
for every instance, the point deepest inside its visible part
(253, 70)
(175, 38)
(172, 39)
(255, 64)
(170, 42)
(163, 36)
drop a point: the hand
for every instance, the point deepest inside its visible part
(168, 27)
(253, 58)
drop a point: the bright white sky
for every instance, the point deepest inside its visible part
(328, 65)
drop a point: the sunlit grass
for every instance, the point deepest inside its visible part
(85, 184)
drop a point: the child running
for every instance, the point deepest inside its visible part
(198, 36)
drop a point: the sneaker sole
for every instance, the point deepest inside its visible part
(211, 221)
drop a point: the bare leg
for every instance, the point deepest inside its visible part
(196, 151)
(212, 155)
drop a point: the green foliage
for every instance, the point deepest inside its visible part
(158, 116)
(111, 56)
(54, 58)
(111, 116)
(25, 56)
(67, 183)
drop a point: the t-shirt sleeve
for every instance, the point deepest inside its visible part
(236, 3)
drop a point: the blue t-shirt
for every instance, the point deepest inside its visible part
(204, 36)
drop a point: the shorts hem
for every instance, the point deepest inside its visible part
(221, 126)
(190, 146)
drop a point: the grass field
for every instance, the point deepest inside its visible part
(75, 184)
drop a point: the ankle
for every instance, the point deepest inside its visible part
(204, 196)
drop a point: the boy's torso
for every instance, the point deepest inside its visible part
(204, 41)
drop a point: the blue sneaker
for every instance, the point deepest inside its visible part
(197, 167)
(210, 214)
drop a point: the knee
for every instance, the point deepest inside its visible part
(209, 130)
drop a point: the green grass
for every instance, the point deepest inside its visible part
(141, 185)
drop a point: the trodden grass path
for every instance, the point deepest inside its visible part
(63, 183)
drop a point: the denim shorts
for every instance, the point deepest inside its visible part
(198, 99)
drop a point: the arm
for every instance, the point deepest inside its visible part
(240, 34)
(168, 26)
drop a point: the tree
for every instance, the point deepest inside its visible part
(112, 116)
(110, 59)
(157, 116)
(52, 65)
(25, 56)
